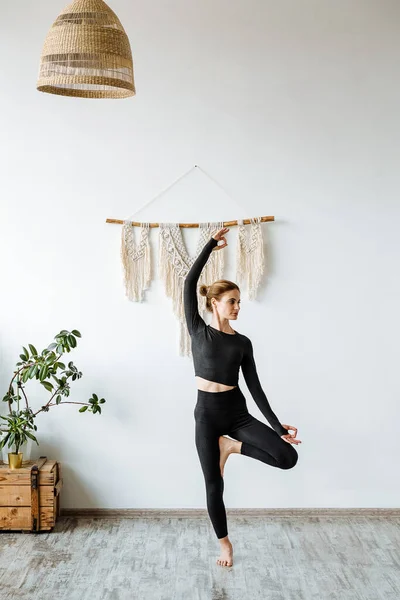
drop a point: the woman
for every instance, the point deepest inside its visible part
(218, 353)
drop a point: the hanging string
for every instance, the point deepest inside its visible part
(162, 192)
(215, 182)
(226, 223)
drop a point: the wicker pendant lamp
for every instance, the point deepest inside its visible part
(87, 54)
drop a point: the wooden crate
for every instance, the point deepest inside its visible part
(30, 496)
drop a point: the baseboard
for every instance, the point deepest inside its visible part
(135, 513)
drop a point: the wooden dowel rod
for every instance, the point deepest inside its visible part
(226, 223)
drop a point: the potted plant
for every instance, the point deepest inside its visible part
(55, 377)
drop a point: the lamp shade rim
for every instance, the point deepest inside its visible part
(117, 93)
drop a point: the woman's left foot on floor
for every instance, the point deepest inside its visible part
(225, 559)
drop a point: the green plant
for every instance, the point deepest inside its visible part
(53, 375)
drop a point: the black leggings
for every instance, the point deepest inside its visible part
(225, 413)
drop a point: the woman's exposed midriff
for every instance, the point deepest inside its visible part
(212, 386)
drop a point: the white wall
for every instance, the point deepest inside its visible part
(293, 107)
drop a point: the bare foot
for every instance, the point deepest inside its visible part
(227, 447)
(226, 557)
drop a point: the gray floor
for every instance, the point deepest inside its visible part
(165, 558)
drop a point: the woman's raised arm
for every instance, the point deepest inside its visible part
(193, 318)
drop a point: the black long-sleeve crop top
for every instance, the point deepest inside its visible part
(218, 356)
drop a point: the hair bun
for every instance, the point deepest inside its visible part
(203, 290)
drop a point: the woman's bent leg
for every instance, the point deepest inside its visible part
(263, 443)
(208, 450)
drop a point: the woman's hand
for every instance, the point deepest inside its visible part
(290, 438)
(220, 236)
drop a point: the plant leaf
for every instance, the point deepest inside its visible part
(31, 371)
(4, 440)
(43, 372)
(33, 349)
(47, 385)
(30, 435)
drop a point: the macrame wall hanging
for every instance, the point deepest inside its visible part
(174, 262)
(250, 257)
(136, 261)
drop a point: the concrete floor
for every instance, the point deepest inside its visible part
(275, 558)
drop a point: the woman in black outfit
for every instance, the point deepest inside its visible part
(218, 353)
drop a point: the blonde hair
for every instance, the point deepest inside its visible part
(216, 290)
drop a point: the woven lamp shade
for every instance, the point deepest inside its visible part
(87, 54)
